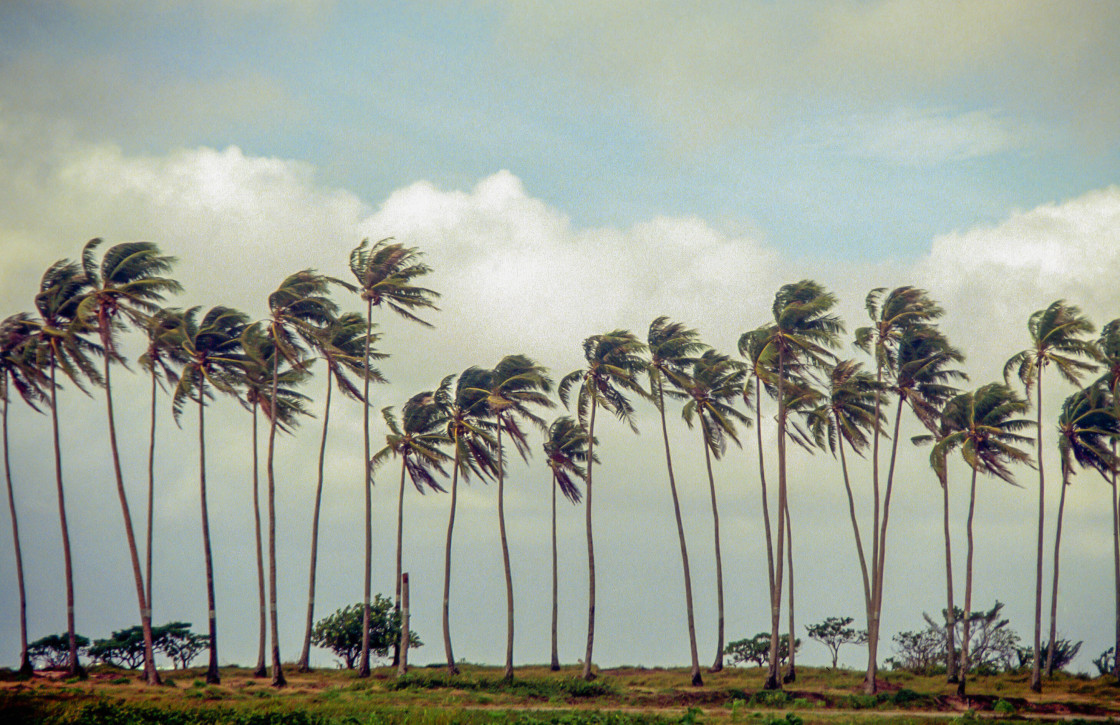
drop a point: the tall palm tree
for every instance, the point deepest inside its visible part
(61, 346)
(1059, 337)
(1108, 345)
(161, 358)
(987, 435)
(343, 346)
(566, 447)
(385, 272)
(514, 385)
(417, 440)
(613, 367)
(801, 337)
(1086, 426)
(672, 347)
(126, 285)
(714, 383)
(297, 309)
(18, 370)
(212, 347)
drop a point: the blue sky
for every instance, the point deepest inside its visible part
(567, 169)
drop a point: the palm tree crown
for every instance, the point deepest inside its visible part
(385, 271)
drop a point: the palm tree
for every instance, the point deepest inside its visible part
(1086, 426)
(803, 331)
(385, 272)
(712, 387)
(566, 446)
(1108, 345)
(343, 347)
(298, 308)
(672, 346)
(18, 370)
(161, 358)
(213, 350)
(416, 440)
(987, 436)
(613, 366)
(515, 384)
(126, 284)
(1058, 337)
(60, 346)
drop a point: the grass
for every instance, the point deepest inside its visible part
(618, 696)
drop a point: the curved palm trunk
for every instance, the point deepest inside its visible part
(151, 493)
(870, 684)
(1036, 674)
(950, 612)
(967, 591)
(762, 483)
(855, 527)
(277, 671)
(718, 664)
(400, 549)
(508, 675)
(791, 672)
(367, 573)
(452, 668)
(773, 679)
(150, 674)
(697, 680)
(1054, 589)
(555, 666)
(590, 548)
(25, 669)
(73, 667)
(212, 676)
(261, 670)
(303, 664)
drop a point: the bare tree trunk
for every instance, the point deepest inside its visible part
(212, 675)
(403, 643)
(587, 675)
(400, 549)
(1036, 671)
(277, 670)
(791, 672)
(367, 483)
(950, 613)
(555, 666)
(25, 669)
(508, 675)
(150, 673)
(73, 667)
(261, 670)
(717, 666)
(452, 668)
(303, 664)
(697, 680)
(1054, 590)
(151, 493)
(773, 678)
(966, 634)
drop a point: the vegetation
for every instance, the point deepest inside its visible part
(341, 632)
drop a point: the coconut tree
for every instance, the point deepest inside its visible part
(672, 347)
(1086, 426)
(1108, 345)
(385, 272)
(61, 346)
(18, 371)
(714, 382)
(126, 285)
(212, 347)
(987, 434)
(566, 448)
(346, 352)
(417, 440)
(614, 365)
(1059, 337)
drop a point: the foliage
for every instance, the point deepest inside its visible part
(53, 651)
(834, 632)
(1106, 661)
(125, 648)
(993, 645)
(1064, 652)
(177, 641)
(341, 632)
(756, 650)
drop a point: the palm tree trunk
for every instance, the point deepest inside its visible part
(403, 643)
(791, 672)
(950, 612)
(556, 652)
(855, 527)
(150, 673)
(151, 493)
(697, 680)
(212, 676)
(967, 591)
(261, 670)
(452, 668)
(1115, 505)
(303, 664)
(277, 671)
(508, 675)
(363, 662)
(762, 483)
(400, 550)
(74, 667)
(773, 679)
(1054, 589)
(590, 547)
(1036, 674)
(870, 685)
(717, 666)
(25, 669)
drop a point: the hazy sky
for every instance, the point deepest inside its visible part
(567, 169)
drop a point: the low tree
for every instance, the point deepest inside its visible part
(124, 648)
(993, 645)
(1105, 661)
(341, 632)
(756, 650)
(178, 642)
(53, 651)
(834, 632)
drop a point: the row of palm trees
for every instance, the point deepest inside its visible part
(820, 401)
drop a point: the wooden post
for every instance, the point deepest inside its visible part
(402, 663)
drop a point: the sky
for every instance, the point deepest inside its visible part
(566, 169)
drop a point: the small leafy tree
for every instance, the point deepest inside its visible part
(341, 632)
(756, 650)
(1064, 652)
(179, 643)
(1106, 661)
(53, 651)
(836, 631)
(993, 645)
(124, 648)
